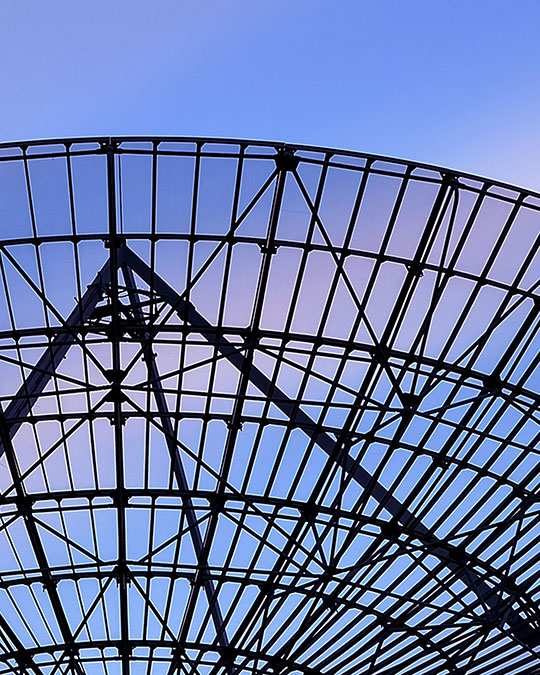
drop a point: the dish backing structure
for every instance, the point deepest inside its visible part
(265, 410)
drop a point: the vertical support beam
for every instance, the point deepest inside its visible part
(116, 398)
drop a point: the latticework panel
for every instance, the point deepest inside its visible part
(265, 411)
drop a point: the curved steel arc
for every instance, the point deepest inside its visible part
(493, 657)
(200, 141)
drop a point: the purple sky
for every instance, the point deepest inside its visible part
(454, 84)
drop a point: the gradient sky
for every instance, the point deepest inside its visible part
(455, 84)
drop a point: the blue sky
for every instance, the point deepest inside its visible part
(454, 84)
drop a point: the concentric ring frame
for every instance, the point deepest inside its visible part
(265, 409)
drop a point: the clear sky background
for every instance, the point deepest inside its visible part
(450, 83)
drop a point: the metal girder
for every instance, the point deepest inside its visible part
(176, 461)
(30, 390)
(451, 606)
(22, 405)
(519, 627)
(49, 584)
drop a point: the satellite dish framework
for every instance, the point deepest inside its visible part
(265, 410)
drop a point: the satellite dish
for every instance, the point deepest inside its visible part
(265, 409)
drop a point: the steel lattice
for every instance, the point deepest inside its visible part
(265, 410)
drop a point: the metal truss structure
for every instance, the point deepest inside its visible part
(265, 411)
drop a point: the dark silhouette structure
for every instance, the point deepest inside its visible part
(266, 410)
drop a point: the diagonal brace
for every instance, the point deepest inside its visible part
(520, 628)
(178, 468)
(35, 383)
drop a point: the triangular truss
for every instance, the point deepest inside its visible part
(207, 494)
